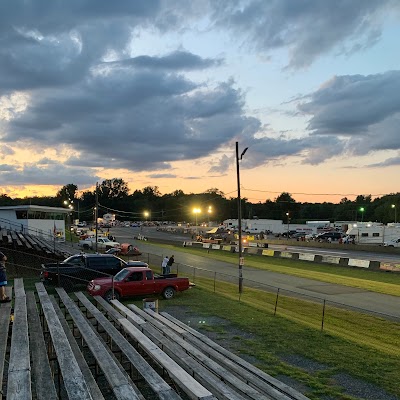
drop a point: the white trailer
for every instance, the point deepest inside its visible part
(256, 226)
(373, 233)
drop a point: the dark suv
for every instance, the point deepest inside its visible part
(329, 235)
(82, 268)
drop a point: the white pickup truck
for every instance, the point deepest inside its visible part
(103, 243)
(392, 243)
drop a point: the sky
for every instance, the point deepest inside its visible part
(158, 92)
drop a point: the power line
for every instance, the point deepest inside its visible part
(315, 194)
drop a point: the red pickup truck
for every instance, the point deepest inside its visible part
(138, 281)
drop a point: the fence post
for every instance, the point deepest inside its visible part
(215, 278)
(148, 258)
(276, 301)
(58, 273)
(323, 316)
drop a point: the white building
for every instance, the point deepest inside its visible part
(45, 222)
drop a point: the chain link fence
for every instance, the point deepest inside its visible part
(315, 312)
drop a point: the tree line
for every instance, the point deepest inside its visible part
(113, 196)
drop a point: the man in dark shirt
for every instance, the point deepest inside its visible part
(169, 264)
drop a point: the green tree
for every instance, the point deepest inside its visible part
(113, 189)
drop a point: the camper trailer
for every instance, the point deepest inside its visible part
(373, 233)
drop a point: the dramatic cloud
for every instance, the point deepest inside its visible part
(364, 108)
(45, 175)
(308, 28)
(73, 80)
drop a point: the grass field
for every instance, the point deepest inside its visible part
(375, 281)
(356, 356)
(362, 349)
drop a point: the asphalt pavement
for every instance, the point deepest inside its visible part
(317, 290)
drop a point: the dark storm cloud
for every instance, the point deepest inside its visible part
(142, 113)
(174, 61)
(274, 150)
(41, 175)
(307, 28)
(366, 109)
(162, 176)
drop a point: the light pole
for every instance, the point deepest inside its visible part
(362, 214)
(241, 258)
(288, 220)
(195, 212)
(209, 211)
(395, 213)
(146, 215)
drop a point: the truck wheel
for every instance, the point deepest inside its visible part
(86, 246)
(168, 293)
(109, 296)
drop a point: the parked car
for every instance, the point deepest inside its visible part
(103, 243)
(392, 243)
(81, 268)
(126, 249)
(325, 236)
(138, 281)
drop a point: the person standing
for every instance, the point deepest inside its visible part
(164, 265)
(169, 264)
(3, 279)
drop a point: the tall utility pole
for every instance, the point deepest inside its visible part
(241, 258)
(96, 212)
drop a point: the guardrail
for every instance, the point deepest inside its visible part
(318, 258)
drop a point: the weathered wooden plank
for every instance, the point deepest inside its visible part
(127, 313)
(19, 369)
(5, 314)
(24, 241)
(41, 371)
(186, 382)
(87, 374)
(112, 371)
(74, 381)
(161, 389)
(19, 290)
(261, 378)
(108, 308)
(235, 380)
(204, 376)
(16, 239)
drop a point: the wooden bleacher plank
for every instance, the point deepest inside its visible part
(108, 309)
(185, 381)
(16, 239)
(236, 381)
(87, 374)
(5, 314)
(127, 313)
(203, 375)
(19, 289)
(23, 240)
(227, 355)
(117, 380)
(73, 378)
(19, 369)
(34, 245)
(161, 389)
(41, 371)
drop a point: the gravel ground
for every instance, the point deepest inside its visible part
(226, 335)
